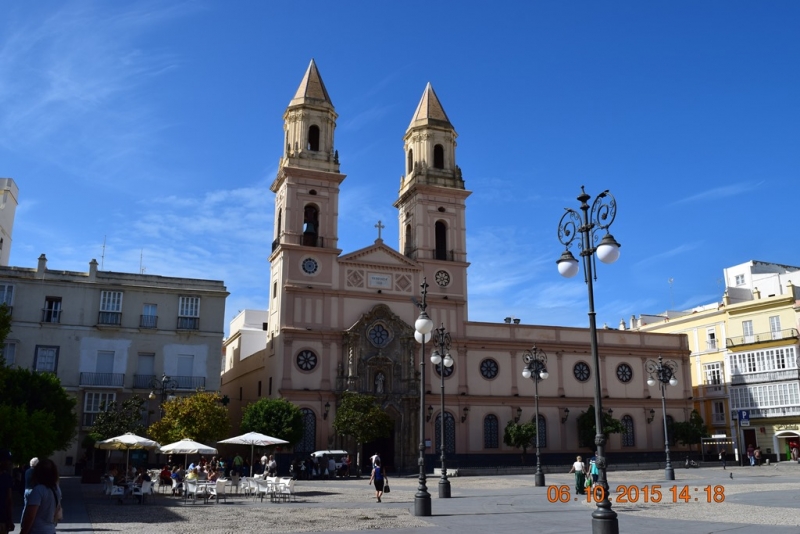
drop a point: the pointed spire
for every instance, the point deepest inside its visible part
(312, 89)
(430, 111)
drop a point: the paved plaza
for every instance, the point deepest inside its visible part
(762, 499)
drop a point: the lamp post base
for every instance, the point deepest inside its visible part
(538, 479)
(444, 488)
(669, 473)
(605, 525)
(422, 505)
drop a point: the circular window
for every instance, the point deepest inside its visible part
(489, 368)
(379, 336)
(442, 278)
(447, 370)
(624, 372)
(306, 360)
(581, 372)
(310, 266)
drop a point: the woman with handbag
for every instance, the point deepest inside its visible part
(379, 478)
(43, 504)
(580, 475)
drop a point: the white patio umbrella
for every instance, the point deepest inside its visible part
(127, 442)
(187, 447)
(253, 439)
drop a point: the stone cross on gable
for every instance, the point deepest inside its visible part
(380, 227)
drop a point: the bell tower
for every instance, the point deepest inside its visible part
(432, 200)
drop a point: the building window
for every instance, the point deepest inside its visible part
(52, 310)
(7, 294)
(447, 370)
(313, 138)
(189, 313)
(541, 436)
(438, 157)
(306, 360)
(489, 368)
(491, 432)
(628, 438)
(711, 339)
(449, 434)
(269, 387)
(747, 330)
(739, 280)
(110, 308)
(46, 359)
(9, 353)
(775, 326)
(713, 373)
(624, 373)
(149, 318)
(94, 403)
(410, 161)
(274, 289)
(440, 231)
(379, 336)
(310, 225)
(308, 442)
(718, 413)
(259, 389)
(581, 372)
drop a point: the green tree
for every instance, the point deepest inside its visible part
(119, 418)
(200, 417)
(278, 418)
(587, 430)
(37, 416)
(689, 432)
(5, 329)
(360, 418)
(520, 436)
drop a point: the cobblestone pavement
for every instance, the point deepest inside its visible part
(765, 496)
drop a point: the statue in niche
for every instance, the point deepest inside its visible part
(379, 380)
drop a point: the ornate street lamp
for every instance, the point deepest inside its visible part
(594, 218)
(422, 333)
(536, 369)
(441, 357)
(165, 386)
(664, 373)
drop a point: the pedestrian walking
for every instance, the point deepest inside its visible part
(580, 475)
(378, 477)
(722, 458)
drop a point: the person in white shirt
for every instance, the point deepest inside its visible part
(580, 475)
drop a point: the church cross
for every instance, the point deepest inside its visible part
(380, 227)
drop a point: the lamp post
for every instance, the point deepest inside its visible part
(165, 386)
(591, 220)
(422, 333)
(441, 357)
(664, 373)
(536, 369)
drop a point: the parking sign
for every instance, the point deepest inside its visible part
(744, 417)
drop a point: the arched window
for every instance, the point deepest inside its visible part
(541, 436)
(409, 246)
(410, 161)
(491, 432)
(441, 240)
(310, 225)
(309, 441)
(449, 434)
(278, 225)
(671, 430)
(438, 157)
(628, 438)
(313, 138)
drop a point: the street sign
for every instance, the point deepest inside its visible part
(744, 417)
(718, 436)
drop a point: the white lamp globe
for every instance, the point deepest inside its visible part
(544, 375)
(526, 373)
(423, 324)
(567, 265)
(448, 360)
(436, 358)
(608, 249)
(651, 381)
(419, 337)
(673, 381)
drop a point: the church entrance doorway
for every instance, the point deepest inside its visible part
(385, 449)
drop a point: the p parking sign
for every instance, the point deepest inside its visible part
(744, 417)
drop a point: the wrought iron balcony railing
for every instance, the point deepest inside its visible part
(102, 379)
(761, 337)
(109, 318)
(188, 323)
(148, 321)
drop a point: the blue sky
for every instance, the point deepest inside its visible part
(157, 127)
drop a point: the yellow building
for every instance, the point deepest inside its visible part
(744, 353)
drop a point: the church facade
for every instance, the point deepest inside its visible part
(344, 321)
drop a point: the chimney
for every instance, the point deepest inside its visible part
(516, 321)
(42, 267)
(507, 320)
(93, 269)
(756, 294)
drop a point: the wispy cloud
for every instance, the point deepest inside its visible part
(671, 253)
(719, 193)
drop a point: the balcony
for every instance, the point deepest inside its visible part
(713, 388)
(762, 337)
(102, 379)
(769, 376)
(148, 321)
(190, 382)
(51, 316)
(143, 381)
(783, 411)
(188, 323)
(719, 419)
(109, 318)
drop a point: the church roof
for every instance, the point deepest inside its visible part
(429, 111)
(312, 89)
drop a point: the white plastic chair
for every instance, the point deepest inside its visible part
(264, 488)
(217, 491)
(191, 489)
(142, 491)
(235, 480)
(286, 489)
